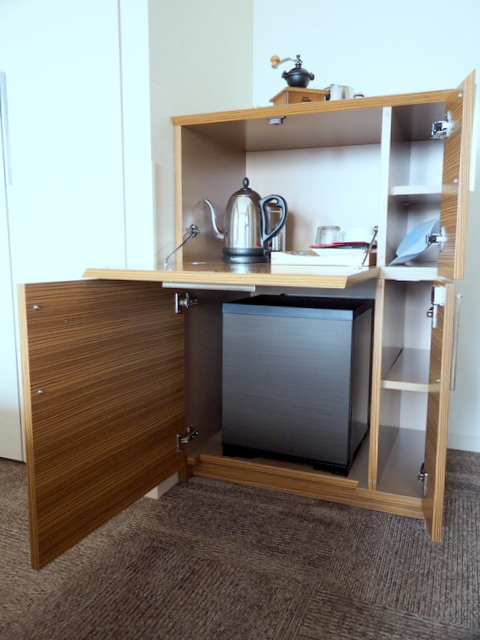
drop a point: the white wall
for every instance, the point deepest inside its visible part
(63, 78)
(137, 136)
(73, 202)
(10, 433)
(201, 61)
(382, 48)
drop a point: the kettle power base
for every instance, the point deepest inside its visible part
(244, 256)
(245, 259)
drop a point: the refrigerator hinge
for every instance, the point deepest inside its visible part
(183, 301)
(442, 128)
(423, 477)
(185, 438)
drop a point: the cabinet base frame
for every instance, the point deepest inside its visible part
(310, 485)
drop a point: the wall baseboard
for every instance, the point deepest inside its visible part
(463, 442)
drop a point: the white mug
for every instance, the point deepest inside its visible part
(358, 234)
(342, 92)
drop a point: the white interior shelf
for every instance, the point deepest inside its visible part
(418, 272)
(418, 194)
(416, 190)
(409, 372)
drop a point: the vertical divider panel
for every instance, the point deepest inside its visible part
(392, 335)
(399, 174)
(178, 190)
(385, 150)
(376, 385)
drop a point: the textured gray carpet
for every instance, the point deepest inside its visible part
(217, 561)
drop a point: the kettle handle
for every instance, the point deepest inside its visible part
(266, 233)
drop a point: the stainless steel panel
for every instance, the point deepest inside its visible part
(286, 385)
(361, 378)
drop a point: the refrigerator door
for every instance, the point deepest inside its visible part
(288, 384)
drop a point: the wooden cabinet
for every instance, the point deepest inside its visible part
(107, 384)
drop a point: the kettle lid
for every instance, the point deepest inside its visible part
(246, 191)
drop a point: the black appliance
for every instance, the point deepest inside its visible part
(296, 378)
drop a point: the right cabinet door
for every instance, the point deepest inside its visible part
(456, 178)
(441, 354)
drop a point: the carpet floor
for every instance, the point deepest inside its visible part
(215, 561)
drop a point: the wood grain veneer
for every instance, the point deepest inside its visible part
(103, 377)
(297, 95)
(441, 352)
(455, 181)
(376, 384)
(177, 137)
(219, 273)
(313, 107)
(313, 485)
(278, 478)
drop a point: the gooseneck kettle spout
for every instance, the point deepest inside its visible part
(218, 234)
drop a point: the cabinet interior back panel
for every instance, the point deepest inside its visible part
(413, 410)
(426, 162)
(325, 186)
(394, 315)
(211, 169)
(416, 120)
(417, 325)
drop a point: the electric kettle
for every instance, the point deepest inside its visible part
(246, 234)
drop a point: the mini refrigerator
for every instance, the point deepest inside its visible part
(296, 378)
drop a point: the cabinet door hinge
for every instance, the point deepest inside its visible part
(423, 477)
(437, 299)
(438, 238)
(276, 120)
(442, 128)
(185, 438)
(183, 301)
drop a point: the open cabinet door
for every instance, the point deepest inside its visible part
(455, 180)
(441, 352)
(103, 378)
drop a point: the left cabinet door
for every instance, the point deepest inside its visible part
(103, 383)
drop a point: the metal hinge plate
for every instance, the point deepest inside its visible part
(276, 120)
(438, 238)
(437, 299)
(423, 477)
(185, 438)
(183, 301)
(442, 128)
